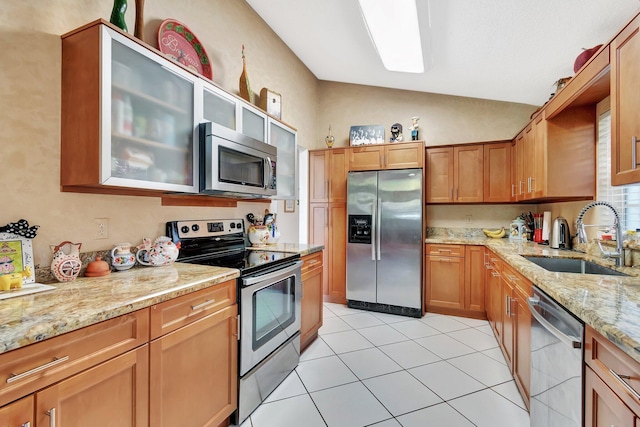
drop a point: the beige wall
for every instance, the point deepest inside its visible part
(30, 122)
(482, 216)
(443, 119)
(30, 119)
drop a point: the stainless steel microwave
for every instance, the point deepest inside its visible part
(234, 164)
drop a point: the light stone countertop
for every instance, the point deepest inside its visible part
(301, 248)
(609, 304)
(89, 300)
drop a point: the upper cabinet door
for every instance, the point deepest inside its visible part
(284, 139)
(253, 123)
(128, 116)
(220, 108)
(152, 120)
(625, 104)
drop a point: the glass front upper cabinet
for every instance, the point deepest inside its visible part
(254, 123)
(284, 139)
(148, 119)
(220, 108)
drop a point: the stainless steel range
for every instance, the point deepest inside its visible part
(269, 293)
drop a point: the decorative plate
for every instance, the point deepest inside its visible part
(179, 43)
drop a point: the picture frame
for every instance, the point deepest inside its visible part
(366, 135)
(289, 205)
(16, 254)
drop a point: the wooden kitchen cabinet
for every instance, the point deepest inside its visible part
(18, 413)
(625, 104)
(128, 116)
(114, 393)
(612, 383)
(328, 175)
(497, 172)
(328, 217)
(311, 311)
(194, 369)
(454, 279)
(509, 316)
(455, 174)
(603, 408)
(387, 156)
(328, 227)
(556, 157)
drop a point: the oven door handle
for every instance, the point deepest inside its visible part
(252, 280)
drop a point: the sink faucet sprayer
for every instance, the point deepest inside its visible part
(618, 255)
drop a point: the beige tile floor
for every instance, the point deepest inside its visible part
(373, 369)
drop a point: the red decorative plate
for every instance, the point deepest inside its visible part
(178, 42)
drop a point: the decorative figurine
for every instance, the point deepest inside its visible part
(66, 261)
(162, 252)
(117, 14)
(396, 133)
(329, 139)
(245, 88)
(414, 128)
(121, 257)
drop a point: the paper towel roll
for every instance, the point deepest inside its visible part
(546, 223)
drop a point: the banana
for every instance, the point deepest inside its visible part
(496, 234)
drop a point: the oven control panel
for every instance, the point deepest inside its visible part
(206, 228)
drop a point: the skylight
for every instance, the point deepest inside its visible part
(393, 27)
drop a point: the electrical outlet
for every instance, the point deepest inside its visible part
(101, 228)
(469, 219)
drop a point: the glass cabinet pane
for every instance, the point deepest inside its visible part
(285, 141)
(152, 120)
(253, 124)
(220, 110)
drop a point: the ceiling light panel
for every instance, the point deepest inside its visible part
(393, 27)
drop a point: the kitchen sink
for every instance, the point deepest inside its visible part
(572, 265)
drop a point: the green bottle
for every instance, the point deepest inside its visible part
(117, 14)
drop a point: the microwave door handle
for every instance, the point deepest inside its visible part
(268, 172)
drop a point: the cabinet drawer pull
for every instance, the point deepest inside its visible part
(314, 262)
(512, 278)
(445, 260)
(634, 149)
(27, 424)
(204, 304)
(624, 383)
(54, 362)
(513, 190)
(495, 274)
(444, 250)
(52, 417)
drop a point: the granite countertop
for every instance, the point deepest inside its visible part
(609, 304)
(89, 300)
(301, 248)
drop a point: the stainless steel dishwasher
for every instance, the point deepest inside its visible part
(556, 364)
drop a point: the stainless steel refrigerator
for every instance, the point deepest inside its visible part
(384, 241)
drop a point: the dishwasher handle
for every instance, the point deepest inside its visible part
(569, 340)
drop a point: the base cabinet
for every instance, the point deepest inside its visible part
(612, 383)
(18, 414)
(311, 312)
(194, 368)
(114, 393)
(328, 227)
(454, 280)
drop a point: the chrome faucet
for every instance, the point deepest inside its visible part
(618, 255)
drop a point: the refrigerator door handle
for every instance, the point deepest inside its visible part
(373, 234)
(378, 227)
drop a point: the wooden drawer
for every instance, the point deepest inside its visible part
(171, 315)
(493, 261)
(444, 250)
(311, 262)
(30, 368)
(517, 280)
(602, 355)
